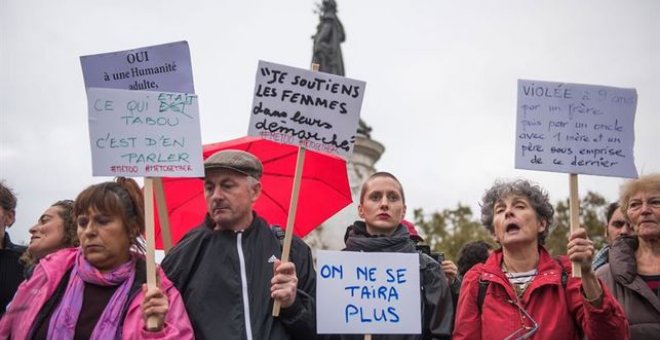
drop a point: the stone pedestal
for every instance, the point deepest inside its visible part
(330, 235)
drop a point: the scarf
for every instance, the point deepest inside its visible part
(357, 239)
(63, 322)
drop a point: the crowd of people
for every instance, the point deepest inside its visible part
(83, 273)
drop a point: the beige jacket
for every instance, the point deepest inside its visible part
(641, 304)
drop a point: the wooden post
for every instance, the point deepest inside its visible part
(291, 218)
(574, 203)
(293, 206)
(152, 322)
(163, 216)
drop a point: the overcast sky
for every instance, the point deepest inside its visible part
(441, 80)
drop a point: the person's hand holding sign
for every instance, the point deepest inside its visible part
(154, 305)
(284, 283)
(580, 250)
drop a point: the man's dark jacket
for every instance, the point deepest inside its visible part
(11, 271)
(205, 266)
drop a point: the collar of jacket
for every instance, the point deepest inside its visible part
(358, 239)
(548, 272)
(256, 220)
(622, 259)
(623, 266)
(10, 246)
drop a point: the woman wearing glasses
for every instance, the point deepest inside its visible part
(97, 291)
(55, 230)
(522, 291)
(633, 272)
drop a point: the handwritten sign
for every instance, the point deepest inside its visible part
(579, 129)
(143, 133)
(367, 293)
(154, 68)
(313, 109)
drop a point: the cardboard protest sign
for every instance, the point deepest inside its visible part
(142, 133)
(578, 129)
(367, 293)
(319, 111)
(154, 68)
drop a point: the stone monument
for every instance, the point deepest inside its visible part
(366, 152)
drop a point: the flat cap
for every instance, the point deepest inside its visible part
(237, 160)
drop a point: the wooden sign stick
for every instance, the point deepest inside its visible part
(291, 218)
(163, 216)
(293, 206)
(574, 204)
(152, 322)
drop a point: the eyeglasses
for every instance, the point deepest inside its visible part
(637, 204)
(523, 332)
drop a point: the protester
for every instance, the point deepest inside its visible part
(382, 207)
(11, 271)
(449, 268)
(616, 224)
(633, 272)
(472, 253)
(228, 270)
(521, 291)
(97, 290)
(55, 229)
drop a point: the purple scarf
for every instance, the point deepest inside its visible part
(63, 322)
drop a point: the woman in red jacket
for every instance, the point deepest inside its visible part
(521, 291)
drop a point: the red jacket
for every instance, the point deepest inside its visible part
(561, 312)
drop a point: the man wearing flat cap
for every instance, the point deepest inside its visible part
(227, 268)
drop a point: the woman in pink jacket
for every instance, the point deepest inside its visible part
(522, 292)
(97, 291)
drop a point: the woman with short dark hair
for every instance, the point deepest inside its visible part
(521, 291)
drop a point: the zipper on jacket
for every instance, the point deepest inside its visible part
(246, 302)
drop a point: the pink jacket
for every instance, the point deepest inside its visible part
(33, 294)
(561, 312)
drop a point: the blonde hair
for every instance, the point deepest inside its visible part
(646, 183)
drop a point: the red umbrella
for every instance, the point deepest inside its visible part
(324, 188)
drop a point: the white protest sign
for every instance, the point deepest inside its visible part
(367, 293)
(143, 133)
(577, 129)
(317, 110)
(154, 68)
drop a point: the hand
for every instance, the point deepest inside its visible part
(450, 269)
(155, 304)
(284, 283)
(581, 249)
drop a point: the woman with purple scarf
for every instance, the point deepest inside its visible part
(98, 290)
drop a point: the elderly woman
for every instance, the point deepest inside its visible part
(55, 230)
(97, 291)
(521, 291)
(633, 272)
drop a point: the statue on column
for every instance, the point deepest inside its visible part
(327, 47)
(327, 40)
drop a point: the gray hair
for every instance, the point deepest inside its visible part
(537, 197)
